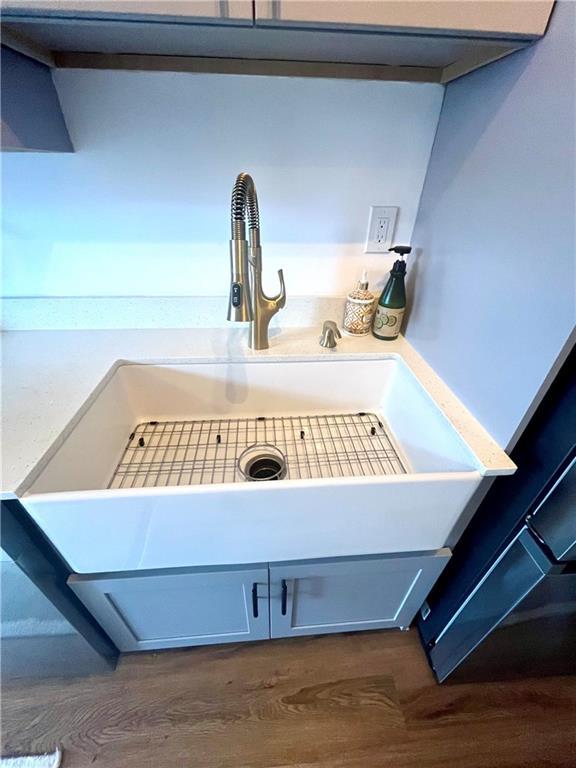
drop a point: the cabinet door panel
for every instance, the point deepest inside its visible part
(199, 607)
(202, 10)
(514, 17)
(350, 594)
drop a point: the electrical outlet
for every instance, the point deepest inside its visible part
(381, 225)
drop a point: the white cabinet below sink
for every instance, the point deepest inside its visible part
(170, 610)
(350, 594)
(201, 606)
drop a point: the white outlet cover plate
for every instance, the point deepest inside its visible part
(381, 226)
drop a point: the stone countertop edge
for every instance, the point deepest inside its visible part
(51, 377)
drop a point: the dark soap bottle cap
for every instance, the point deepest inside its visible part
(401, 250)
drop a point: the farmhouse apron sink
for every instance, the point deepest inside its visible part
(203, 464)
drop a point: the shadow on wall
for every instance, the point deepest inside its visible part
(36, 640)
(143, 206)
(480, 110)
(412, 269)
(478, 107)
(493, 290)
(158, 152)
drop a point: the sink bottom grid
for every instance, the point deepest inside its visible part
(169, 453)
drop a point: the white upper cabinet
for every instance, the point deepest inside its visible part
(513, 18)
(429, 40)
(484, 18)
(202, 11)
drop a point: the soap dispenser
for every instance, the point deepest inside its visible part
(359, 309)
(392, 303)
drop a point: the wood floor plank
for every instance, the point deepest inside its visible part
(363, 700)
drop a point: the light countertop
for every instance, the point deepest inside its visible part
(47, 376)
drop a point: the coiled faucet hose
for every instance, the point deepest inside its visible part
(244, 199)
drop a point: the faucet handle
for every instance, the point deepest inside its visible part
(280, 298)
(274, 303)
(330, 333)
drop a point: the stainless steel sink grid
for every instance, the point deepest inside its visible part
(202, 452)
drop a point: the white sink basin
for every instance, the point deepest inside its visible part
(102, 529)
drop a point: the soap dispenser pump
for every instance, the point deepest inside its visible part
(359, 309)
(392, 303)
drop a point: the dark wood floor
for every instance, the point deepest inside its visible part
(344, 701)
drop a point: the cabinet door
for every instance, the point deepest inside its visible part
(196, 607)
(238, 11)
(348, 594)
(514, 17)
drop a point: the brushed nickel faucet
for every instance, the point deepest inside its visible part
(248, 302)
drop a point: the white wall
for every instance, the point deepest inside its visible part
(142, 207)
(494, 282)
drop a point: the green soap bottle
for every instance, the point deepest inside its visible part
(392, 303)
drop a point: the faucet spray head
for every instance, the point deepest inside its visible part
(239, 304)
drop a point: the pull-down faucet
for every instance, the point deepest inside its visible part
(248, 302)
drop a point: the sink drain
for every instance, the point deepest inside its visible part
(264, 468)
(260, 462)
